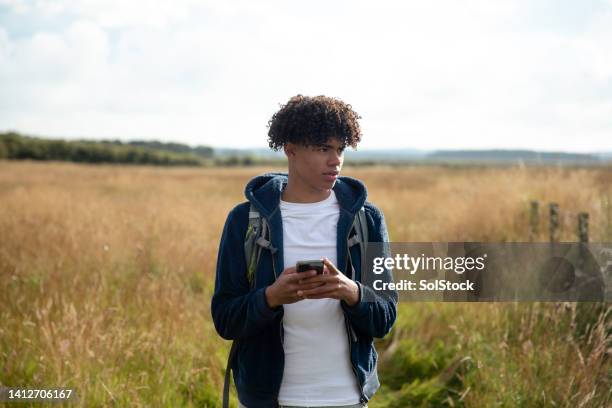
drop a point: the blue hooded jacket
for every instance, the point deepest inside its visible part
(242, 314)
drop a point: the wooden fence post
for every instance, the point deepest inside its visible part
(554, 222)
(583, 227)
(534, 221)
(583, 236)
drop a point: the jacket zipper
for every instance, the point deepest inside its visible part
(350, 332)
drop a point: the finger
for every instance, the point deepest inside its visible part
(290, 270)
(313, 279)
(324, 289)
(302, 275)
(320, 278)
(291, 292)
(331, 267)
(307, 286)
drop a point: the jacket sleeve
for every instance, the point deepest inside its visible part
(237, 311)
(376, 311)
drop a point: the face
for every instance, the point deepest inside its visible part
(316, 167)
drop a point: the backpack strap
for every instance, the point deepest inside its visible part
(360, 237)
(257, 237)
(228, 369)
(363, 224)
(250, 238)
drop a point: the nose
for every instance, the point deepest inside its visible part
(335, 160)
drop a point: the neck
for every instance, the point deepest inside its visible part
(296, 192)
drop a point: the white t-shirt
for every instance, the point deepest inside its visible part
(318, 369)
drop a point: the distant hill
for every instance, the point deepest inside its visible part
(606, 156)
(257, 152)
(506, 156)
(385, 154)
(350, 154)
(17, 146)
(424, 156)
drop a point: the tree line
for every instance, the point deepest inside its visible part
(16, 146)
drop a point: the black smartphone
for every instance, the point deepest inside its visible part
(316, 264)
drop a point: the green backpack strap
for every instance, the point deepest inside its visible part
(250, 247)
(256, 239)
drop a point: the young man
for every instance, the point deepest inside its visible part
(304, 339)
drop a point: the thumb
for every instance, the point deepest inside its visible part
(289, 270)
(331, 267)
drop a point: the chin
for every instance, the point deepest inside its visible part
(323, 186)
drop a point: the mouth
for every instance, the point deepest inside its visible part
(331, 175)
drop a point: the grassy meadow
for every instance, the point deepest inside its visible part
(106, 274)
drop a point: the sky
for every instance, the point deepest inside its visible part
(437, 74)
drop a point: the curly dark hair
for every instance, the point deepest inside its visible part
(311, 120)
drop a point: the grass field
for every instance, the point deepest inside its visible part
(106, 275)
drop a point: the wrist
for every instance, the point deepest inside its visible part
(353, 296)
(270, 299)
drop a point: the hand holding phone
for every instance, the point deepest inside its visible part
(316, 264)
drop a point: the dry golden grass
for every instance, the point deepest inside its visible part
(106, 274)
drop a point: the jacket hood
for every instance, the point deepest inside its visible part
(265, 192)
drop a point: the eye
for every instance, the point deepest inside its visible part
(322, 149)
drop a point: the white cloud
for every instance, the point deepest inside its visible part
(428, 75)
(18, 6)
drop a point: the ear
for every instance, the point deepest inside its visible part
(289, 149)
